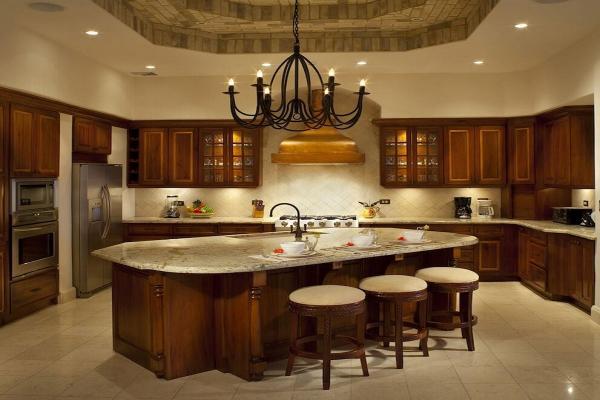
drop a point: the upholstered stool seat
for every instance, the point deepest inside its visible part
(450, 281)
(393, 291)
(325, 303)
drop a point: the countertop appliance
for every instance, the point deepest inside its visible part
(172, 206)
(569, 215)
(97, 216)
(587, 219)
(34, 226)
(462, 207)
(317, 221)
(485, 209)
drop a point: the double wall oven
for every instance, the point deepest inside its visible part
(34, 226)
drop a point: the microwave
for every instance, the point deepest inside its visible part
(569, 215)
(32, 194)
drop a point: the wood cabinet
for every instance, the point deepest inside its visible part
(222, 156)
(3, 282)
(412, 156)
(34, 142)
(521, 154)
(458, 156)
(183, 157)
(91, 136)
(153, 156)
(490, 155)
(568, 149)
(580, 263)
(33, 292)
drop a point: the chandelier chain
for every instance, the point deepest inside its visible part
(296, 23)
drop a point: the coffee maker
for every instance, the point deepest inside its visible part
(462, 207)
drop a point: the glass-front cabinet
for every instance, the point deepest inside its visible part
(411, 156)
(229, 157)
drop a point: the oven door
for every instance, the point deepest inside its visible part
(34, 247)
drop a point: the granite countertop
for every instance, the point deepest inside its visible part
(253, 252)
(544, 226)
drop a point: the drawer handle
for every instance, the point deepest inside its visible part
(35, 290)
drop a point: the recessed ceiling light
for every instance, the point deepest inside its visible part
(478, 62)
(362, 62)
(150, 67)
(266, 65)
(45, 6)
(521, 25)
(92, 32)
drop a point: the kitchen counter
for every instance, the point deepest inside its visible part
(544, 226)
(252, 252)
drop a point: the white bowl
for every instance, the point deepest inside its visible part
(293, 247)
(363, 240)
(413, 236)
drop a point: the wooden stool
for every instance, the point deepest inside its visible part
(450, 280)
(392, 291)
(326, 302)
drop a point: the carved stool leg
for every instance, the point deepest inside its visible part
(293, 337)
(387, 321)
(422, 325)
(398, 331)
(360, 336)
(466, 315)
(326, 351)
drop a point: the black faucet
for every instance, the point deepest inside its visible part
(298, 233)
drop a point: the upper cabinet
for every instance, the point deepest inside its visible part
(91, 137)
(490, 155)
(221, 156)
(458, 156)
(412, 156)
(34, 142)
(568, 148)
(521, 160)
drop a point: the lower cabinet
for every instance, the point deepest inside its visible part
(141, 232)
(33, 292)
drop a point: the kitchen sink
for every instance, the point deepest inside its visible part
(268, 235)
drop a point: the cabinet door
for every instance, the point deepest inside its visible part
(588, 275)
(83, 135)
(244, 159)
(3, 137)
(557, 152)
(427, 144)
(102, 138)
(489, 255)
(458, 151)
(183, 157)
(22, 132)
(3, 279)
(153, 156)
(213, 157)
(46, 144)
(522, 254)
(521, 153)
(396, 158)
(582, 151)
(490, 153)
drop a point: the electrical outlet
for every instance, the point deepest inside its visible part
(586, 203)
(385, 201)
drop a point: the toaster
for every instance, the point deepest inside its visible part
(569, 215)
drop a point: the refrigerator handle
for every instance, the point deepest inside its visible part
(106, 200)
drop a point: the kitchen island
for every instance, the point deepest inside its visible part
(185, 306)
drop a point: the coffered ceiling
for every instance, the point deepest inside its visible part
(264, 26)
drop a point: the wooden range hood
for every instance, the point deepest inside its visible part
(319, 146)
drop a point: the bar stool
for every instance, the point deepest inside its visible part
(326, 302)
(393, 291)
(450, 280)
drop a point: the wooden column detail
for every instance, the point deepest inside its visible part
(257, 356)
(157, 322)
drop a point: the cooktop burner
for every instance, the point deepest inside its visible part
(318, 217)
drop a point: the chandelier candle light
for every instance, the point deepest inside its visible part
(295, 113)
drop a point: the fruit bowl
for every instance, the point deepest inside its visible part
(200, 210)
(201, 215)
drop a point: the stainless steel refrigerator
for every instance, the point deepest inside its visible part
(97, 216)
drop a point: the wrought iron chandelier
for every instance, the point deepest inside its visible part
(296, 113)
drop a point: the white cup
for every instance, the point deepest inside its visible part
(293, 248)
(363, 240)
(413, 236)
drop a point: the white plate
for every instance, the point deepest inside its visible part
(422, 241)
(299, 255)
(371, 247)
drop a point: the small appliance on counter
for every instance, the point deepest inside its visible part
(258, 208)
(571, 215)
(484, 208)
(462, 207)
(587, 219)
(172, 206)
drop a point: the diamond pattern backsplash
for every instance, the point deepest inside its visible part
(321, 189)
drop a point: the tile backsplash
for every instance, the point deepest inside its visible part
(321, 189)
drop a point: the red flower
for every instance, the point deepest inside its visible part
(401, 238)
(349, 244)
(278, 250)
